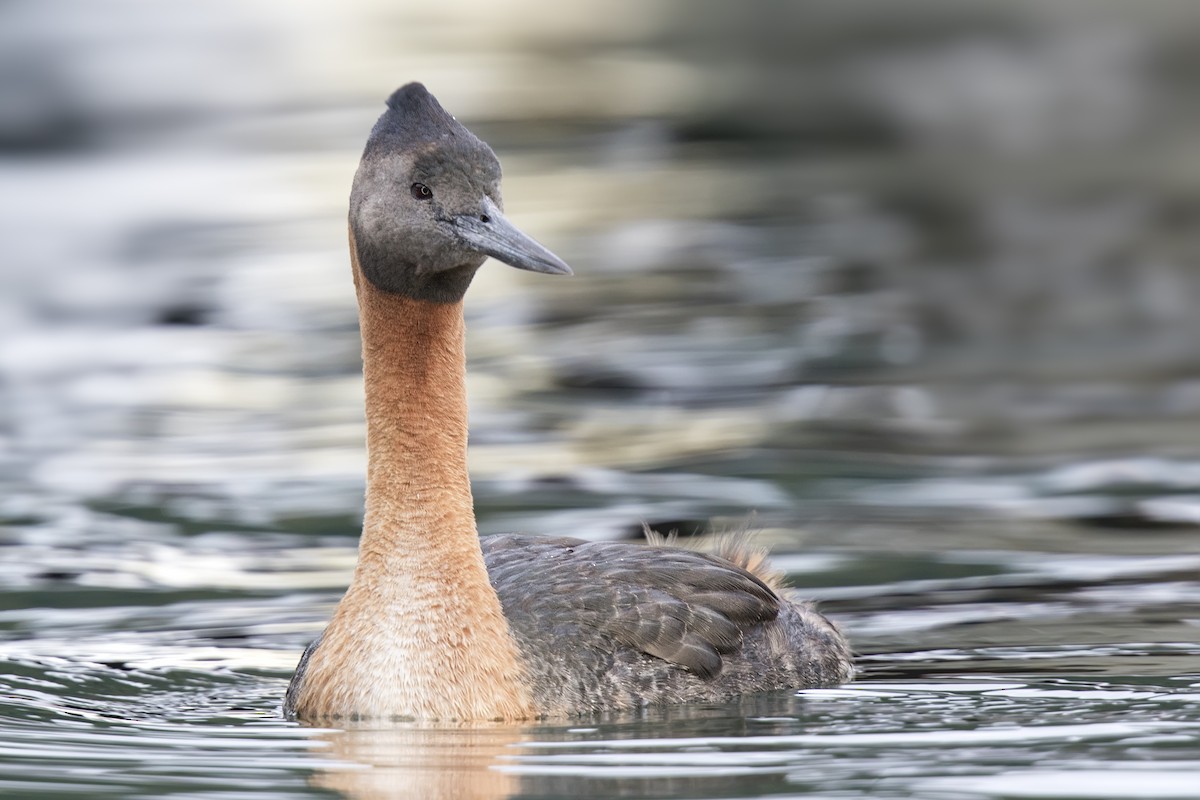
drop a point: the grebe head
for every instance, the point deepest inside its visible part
(425, 209)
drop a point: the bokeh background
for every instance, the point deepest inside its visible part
(835, 262)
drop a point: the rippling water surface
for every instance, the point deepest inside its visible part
(913, 297)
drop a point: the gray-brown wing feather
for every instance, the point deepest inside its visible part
(686, 608)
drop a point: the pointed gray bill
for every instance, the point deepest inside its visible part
(500, 239)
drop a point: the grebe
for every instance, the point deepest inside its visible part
(438, 624)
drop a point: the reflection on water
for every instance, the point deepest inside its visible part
(433, 763)
(914, 289)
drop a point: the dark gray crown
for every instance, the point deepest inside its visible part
(415, 117)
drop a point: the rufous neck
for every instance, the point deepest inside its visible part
(414, 371)
(420, 631)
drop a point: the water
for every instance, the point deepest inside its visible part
(912, 294)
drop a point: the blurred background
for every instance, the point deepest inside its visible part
(835, 262)
(894, 279)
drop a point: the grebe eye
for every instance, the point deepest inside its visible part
(421, 191)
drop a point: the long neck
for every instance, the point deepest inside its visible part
(418, 490)
(420, 632)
